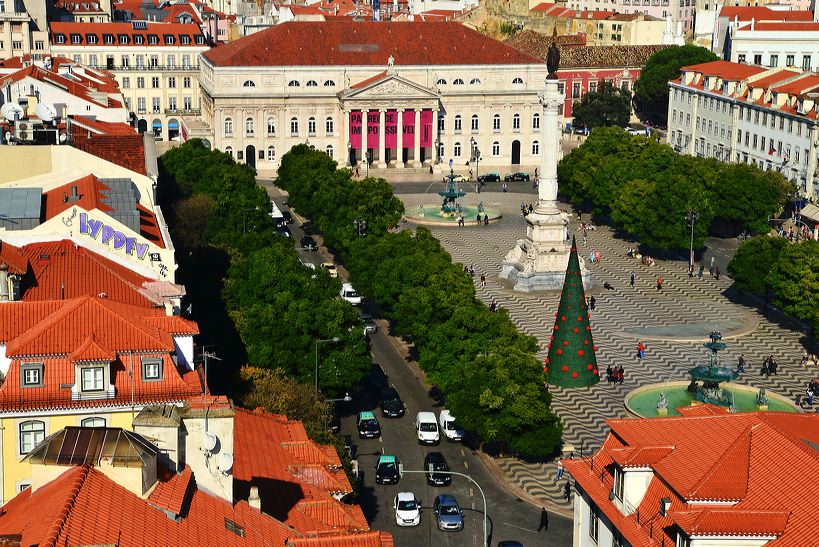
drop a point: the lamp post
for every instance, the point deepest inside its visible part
(360, 225)
(437, 150)
(401, 471)
(691, 217)
(334, 339)
(349, 154)
(476, 157)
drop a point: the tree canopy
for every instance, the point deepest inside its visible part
(753, 261)
(794, 279)
(608, 105)
(651, 88)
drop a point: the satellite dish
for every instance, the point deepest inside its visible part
(62, 137)
(12, 111)
(209, 442)
(45, 112)
(225, 462)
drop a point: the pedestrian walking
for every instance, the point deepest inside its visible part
(592, 303)
(741, 364)
(504, 187)
(716, 273)
(631, 279)
(621, 374)
(479, 219)
(641, 350)
(483, 280)
(535, 173)
(470, 174)
(699, 273)
(567, 491)
(560, 470)
(544, 520)
(711, 267)
(485, 219)
(609, 374)
(659, 283)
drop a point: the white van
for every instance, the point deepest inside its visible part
(349, 294)
(427, 428)
(451, 430)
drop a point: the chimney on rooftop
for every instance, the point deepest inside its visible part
(74, 196)
(254, 500)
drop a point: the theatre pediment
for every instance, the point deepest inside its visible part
(388, 86)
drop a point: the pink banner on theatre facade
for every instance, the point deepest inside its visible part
(426, 125)
(391, 129)
(409, 129)
(372, 129)
(355, 130)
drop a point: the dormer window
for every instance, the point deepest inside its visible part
(151, 369)
(108, 38)
(185, 39)
(153, 39)
(91, 38)
(31, 375)
(76, 38)
(59, 38)
(618, 483)
(92, 379)
(139, 39)
(199, 39)
(170, 39)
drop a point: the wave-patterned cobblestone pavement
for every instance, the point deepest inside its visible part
(673, 323)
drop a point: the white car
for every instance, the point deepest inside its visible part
(407, 509)
(349, 294)
(451, 430)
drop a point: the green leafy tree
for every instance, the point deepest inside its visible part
(753, 261)
(191, 219)
(794, 280)
(651, 88)
(609, 105)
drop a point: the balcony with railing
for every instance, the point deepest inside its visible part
(183, 111)
(158, 68)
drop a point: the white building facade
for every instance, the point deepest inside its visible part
(369, 96)
(747, 114)
(155, 64)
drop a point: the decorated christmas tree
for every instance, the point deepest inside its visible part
(572, 361)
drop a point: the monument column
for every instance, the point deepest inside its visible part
(399, 139)
(364, 136)
(416, 140)
(382, 126)
(547, 183)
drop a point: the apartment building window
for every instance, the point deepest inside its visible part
(781, 123)
(249, 127)
(756, 117)
(228, 127)
(185, 40)
(93, 422)
(747, 136)
(140, 62)
(798, 129)
(535, 148)
(91, 378)
(456, 150)
(698, 123)
(155, 103)
(153, 39)
(186, 82)
(536, 121)
(594, 523)
(762, 143)
(458, 123)
(576, 90)
(123, 39)
(329, 126)
(153, 61)
(125, 61)
(709, 126)
(592, 87)
(171, 61)
(496, 149)
(172, 82)
(108, 38)
(774, 62)
(187, 103)
(708, 149)
(76, 39)
(754, 141)
(38, 44)
(31, 433)
(790, 126)
(294, 127)
(92, 61)
(126, 82)
(496, 123)
(773, 121)
(722, 131)
(151, 369)
(31, 375)
(271, 127)
(516, 123)
(58, 38)
(140, 82)
(91, 39)
(757, 59)
(271, 153)
(155, 82)
(788, 60)
(311, 127)
(141, 104)
(674, 116)
(739, 136)
(186, 61)
(171, 103)
(805, 62)
(440, 124)
(796, 151)
(474, 123)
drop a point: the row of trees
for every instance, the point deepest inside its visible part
(646, 189)
(486, 368)
(251, 295)
(767, 265)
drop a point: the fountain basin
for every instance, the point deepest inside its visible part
(642, 402)
(433, 216)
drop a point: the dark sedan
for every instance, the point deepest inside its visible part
(489, 177)
(391, 404)
(435, 462)
(516, 177)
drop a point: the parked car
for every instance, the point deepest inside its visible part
(435, 461)
(407, 509)
(448, 513)
(516, 177)
(426, 428)
(378, 378)
(450, 428)
(386, 470)
(633, 131)
(391, 404)
(283, 231)
(308, 243)
(288, 218)
(349, 294)
(489, 177)
(368, 426)
(370, 326)
(458, 178)
(331, 268)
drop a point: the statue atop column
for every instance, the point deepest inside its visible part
(553, 57)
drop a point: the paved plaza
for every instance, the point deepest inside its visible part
(673, 323)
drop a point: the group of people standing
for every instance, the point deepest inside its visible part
(615, 375)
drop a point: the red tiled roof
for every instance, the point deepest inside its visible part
(64, 270)
(13, 258)
(725, 69)
(757, 461)
(798, 86)
(368, 539)
(18, 317)
(366, 44)
(89, 189)
(90, 350)
(762, 13)
(776, 76)
(171, 489)
(368, 81)
(77, 85)
(176, 30)
(103, 128)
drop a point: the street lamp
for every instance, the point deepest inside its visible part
(349, 154)
(345, 399)
(438, 151)
(401, 471)
(360, 225)
(692, 218)
(335, 340)
(476, 157)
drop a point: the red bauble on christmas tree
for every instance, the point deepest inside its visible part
(572, 360)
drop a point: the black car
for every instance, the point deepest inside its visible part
(308, 243)
(386, 470)
(435, 461)
(391, 404)
(489, 177)
(288, 218)
(368, 426)
(378, 378)
(516, 177)
(283, 231)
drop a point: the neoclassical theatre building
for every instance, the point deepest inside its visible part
(399, 94)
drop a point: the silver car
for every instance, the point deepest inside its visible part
(448, 513)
